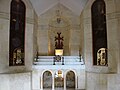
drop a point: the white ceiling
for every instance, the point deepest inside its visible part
(42, 6)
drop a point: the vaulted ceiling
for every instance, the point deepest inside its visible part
(42, 6)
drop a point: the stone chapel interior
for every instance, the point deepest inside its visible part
(59, 45)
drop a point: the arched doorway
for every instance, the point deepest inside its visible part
(47, 80)
(70, 80)
(59, 80)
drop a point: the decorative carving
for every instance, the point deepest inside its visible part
(102, 57)
(18, 57)
(59, 41)
(58, 59)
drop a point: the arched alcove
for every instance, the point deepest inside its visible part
(59, 24)
(59, 79)
(47, 80)
(70, 80)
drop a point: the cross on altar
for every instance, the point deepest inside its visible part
(59, 41)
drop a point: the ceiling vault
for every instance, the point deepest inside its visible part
(42, 6)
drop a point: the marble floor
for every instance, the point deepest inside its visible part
(63, 89)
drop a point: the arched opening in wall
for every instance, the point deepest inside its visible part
(70, 80)
(17, 33)
(59, 80)
(47, 80)
(59, 24)
(99, 33)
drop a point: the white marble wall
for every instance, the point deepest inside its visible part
(14, 78)
(114, 79)
(96, 79)
(81, 49)
(113, 82)
(111, 37)
(16, 81)
(4, 37)
(118, 28)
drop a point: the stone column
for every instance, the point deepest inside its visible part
(64, 82)
(76, 82)
(41, 81)
(53, 82)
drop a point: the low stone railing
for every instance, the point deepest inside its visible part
(58, 60)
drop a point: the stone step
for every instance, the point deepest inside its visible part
(51, 63)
